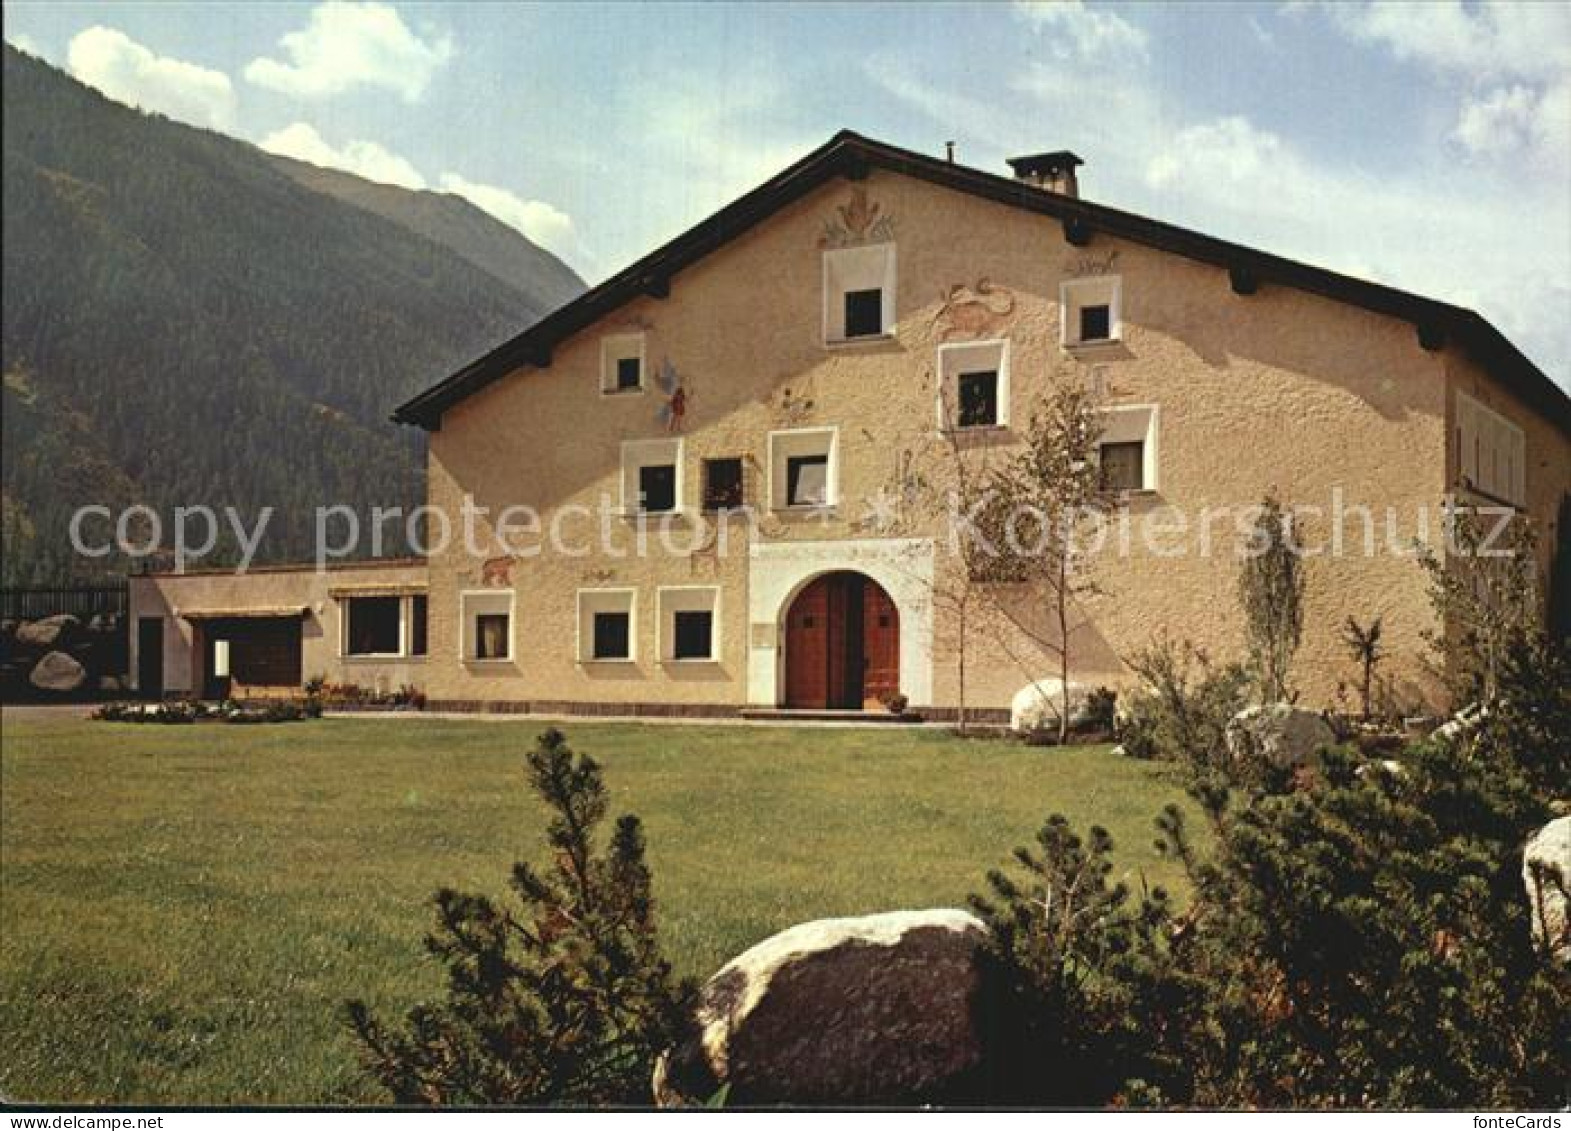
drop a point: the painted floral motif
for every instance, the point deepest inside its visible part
(857, 221)
(973, 312)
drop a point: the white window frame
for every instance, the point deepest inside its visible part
(1093, 290)
(1130, 423)
(613, 600)
(955, 358)
(1491, 432)
(618, 347)
(860, 268)
(639, 454)
(784, 443)
(673, 599)
(406, 627)
(467, 637)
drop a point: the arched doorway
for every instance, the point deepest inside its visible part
(842, 644)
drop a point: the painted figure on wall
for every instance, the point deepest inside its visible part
(973, 312)
(857, 221)
(674, 411)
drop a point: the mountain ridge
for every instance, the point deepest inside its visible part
(187, 321)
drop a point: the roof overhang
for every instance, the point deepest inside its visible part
(849, 155)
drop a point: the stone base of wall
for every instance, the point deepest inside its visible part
(979, 716)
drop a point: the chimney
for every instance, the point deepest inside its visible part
(1054, 171)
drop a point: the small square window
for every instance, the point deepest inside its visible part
(1096, 323)
(723, 486)
(694, 635)
(612, 636)
(657, 487)
(807, 481)
(491, 636)
(629, 374)
(1123, 466)
(864, 313)
(979, 399)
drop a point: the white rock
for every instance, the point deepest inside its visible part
(1037, 705)
(1282, 734)
(57, 672)
(881, 1009)
(1548, 853)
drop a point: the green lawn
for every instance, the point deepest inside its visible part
(184, 909)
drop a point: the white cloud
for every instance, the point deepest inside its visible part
(367, 159)
(131, 73)
(346, 45)
(1076, 31)
(1518, 118)
(546, 225)
(1512, 62)
(1483, 41)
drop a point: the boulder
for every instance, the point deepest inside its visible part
(1036, 705)
(1281, 734)
(51, 632)
(57, 672)
(878, 1010)
(1546, 871)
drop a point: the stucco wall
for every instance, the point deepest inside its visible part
(168, 595)
(1279, 390)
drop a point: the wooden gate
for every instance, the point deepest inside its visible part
(842, 644)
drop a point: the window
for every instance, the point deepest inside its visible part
(622, 363)
(652, 476)
(979, 399)
(1127, 455)
(1091, 311)
(689, 623)
(859, 289)
(657, 488)
(1096, 323)
(1491, 452)
(1123, 466)
(973, 385)
(611, 636)
(723, 485)
(802, 468)
(418, 641)
(864, 313)
(373, 627)
(807, 481)
(487, 625)
(694, 635)
(605, 625)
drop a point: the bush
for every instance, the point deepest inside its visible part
(1363, 942)
(1181, 712)
(563, 1000)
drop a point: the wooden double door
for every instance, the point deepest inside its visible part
(842, 644)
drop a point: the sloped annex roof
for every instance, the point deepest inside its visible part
(851, 156)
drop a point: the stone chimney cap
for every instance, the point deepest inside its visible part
(1044, 166)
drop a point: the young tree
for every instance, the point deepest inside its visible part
(1032, 525)
(1271, 591)
(1485, 594)
(1367, 651)
(565, 1000)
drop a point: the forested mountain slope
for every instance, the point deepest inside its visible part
(189, 320)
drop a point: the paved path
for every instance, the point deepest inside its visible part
(651, 720)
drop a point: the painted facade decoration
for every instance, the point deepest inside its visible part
(673, 410)
(968, 312)
(857, 221)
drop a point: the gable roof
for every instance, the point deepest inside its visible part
(850, 155)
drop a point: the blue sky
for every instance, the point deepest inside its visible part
(1424, 145)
